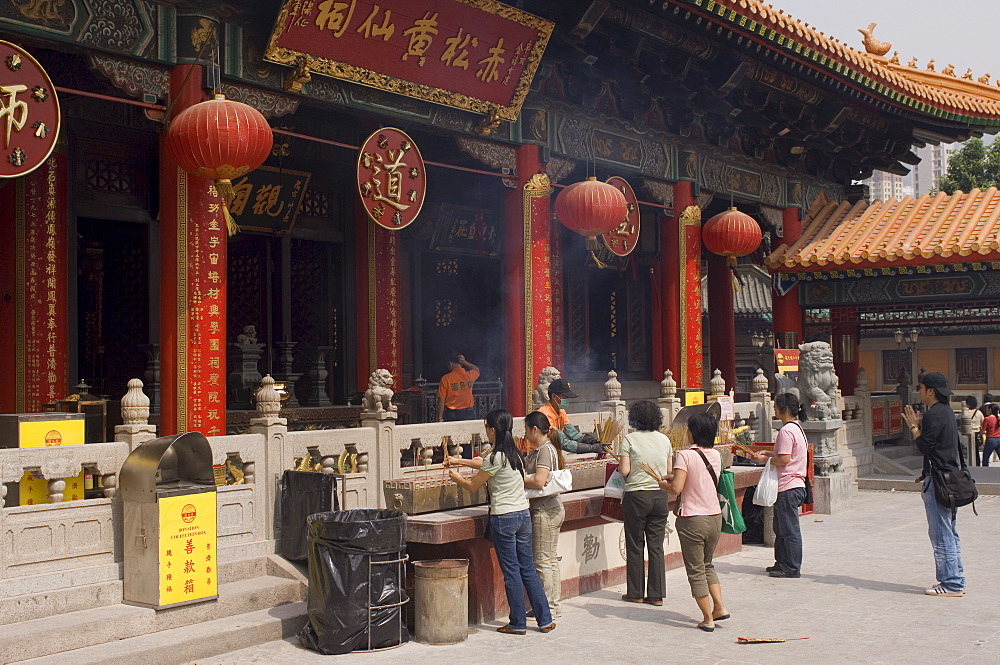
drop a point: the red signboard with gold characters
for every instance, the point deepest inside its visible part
(478, 55)
(29, 112)
(391, 178)
(622, 239)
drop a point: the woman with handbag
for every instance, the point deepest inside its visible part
(544, 458)
(502, 469)
(699, 514)
(644, 506)
(790, 457)
(991, 431)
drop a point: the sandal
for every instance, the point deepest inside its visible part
(549, 628)
(507, 630)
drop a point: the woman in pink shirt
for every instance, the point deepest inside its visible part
(699, 516)
(790, 457)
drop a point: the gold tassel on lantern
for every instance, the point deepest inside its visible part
(594, 246)
(226, 191)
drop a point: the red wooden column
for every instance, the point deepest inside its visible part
(845, 331)
(722, 319)
(192, 286)
(787, 311)
(34, 288)
(528, 280)
(379, 291)
(680, 293)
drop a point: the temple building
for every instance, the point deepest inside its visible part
(116, 262)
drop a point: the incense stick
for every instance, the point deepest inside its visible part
(650, 470)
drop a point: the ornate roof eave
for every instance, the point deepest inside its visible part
(924, 95)
(927, 231)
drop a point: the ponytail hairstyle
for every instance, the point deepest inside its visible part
(503, 424)
(995, 410)
(541, 421)
(789, 403)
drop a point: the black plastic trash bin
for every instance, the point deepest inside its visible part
(303, 493)
(357, 576)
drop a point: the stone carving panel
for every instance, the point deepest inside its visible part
(135, 78)
(117, 25)
(270, 104)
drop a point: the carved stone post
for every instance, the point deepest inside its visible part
(316, 394)
(245, 377)
(614, 405)
(760, 395)
(273, 428)
(717, 385)
(286, 360)
(386, 458)
(864, 412)
(135, 417)
(668, 402)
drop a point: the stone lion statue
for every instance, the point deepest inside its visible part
(248, 336)
(817, 383)
(378, 397)
(545, 377)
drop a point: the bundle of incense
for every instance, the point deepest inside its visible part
(746, 451)
(766, 640)
(611, 453)
(650, 470)
(608, 430)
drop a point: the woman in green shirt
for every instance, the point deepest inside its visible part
(502, 470)
(644, 505)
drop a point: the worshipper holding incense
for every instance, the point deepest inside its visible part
(509, 527)
(547, 514)
(644, 506)
(699, 514)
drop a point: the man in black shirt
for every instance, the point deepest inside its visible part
(936, 436)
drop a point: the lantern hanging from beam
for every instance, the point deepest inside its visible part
(220, 139)
(731, 234)
(591, 207)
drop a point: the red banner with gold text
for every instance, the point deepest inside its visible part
(690, 286)
(538, 292)
(42, 365)
(383, 301)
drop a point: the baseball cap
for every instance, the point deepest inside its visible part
(936, 381)
(562, 387)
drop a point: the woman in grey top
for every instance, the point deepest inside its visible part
(547, 514)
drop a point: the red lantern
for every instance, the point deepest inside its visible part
(591, 207)
(731, 234)
(220, 139)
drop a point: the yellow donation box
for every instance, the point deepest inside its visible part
(43, 430)
(168, 496)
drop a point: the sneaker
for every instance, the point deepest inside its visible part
(783, 573)
(939, 590)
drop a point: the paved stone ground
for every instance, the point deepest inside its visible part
(860, 601)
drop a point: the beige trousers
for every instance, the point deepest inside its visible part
(545, 525)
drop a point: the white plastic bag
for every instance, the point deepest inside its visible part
(615, 487)
(767, 487)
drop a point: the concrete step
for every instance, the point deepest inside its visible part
(85, 628)
(895, 466)
(895, 452)
(177, 646)
(987, 481)
(59, 602)
(915, 462)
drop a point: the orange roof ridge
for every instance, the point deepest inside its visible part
(942, 228)
(957, 93)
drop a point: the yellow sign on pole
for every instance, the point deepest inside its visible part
(188, 557)
(692, 397)
(50, 433)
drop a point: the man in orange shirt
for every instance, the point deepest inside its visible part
(571, 439)
(454, 398)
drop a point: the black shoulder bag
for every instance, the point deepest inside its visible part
(954, 489)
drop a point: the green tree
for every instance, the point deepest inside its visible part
(972, 166)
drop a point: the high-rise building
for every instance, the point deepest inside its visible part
(933, 164)
(883, 186)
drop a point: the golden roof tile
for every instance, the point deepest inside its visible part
(924, 231)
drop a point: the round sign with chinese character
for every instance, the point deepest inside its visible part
(391, 178)
(29, 112)
(622, 239)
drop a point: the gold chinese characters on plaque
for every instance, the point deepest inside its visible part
(29, 112)
(477, 55)
(622, 239)
(391, 179)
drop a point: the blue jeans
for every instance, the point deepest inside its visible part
(944, 540)
(992, 446)
(787, 536)
(511, 533)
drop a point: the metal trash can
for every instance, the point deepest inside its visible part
(441, 601)
(167, 487)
